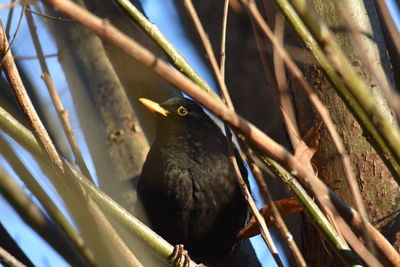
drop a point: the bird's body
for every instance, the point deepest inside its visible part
(188, 187)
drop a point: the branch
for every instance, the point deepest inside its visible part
(36, 219)
(45, 230)
(286, 234)
(282, 88)
(351, 89)
(17, 3)
(223, 38)
(156, 35)
(218, 73)
(321, 109)
(208, 48)
(24, 101)
(89, 221)
(61, 112)
(25, 138)
(253, 135)
(153, 240)
(354, 83)
(9, 260)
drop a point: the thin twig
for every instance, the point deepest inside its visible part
(269, 75)
(9, 20)
(319, 106)
(48, 17)
(14, 36)
(299, 54)
(363, 119)
(391, 96)
(17, 58)
(285, 102)
(19, 3)
(375, 223)
(50, 235)
(224, 91)
(223, 39)
(152, 30)
(245, 190)
(24, 101)
(61, 112)
(157, 243)
(356, 86)
(287, 236)
(9, 260)
(260, 181)
(209, 50)
(257, 138)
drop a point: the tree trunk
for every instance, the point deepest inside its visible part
(116, 141)
(378, 188)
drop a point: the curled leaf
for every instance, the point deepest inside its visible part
(285, 207)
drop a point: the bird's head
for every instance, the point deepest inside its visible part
(177, 112)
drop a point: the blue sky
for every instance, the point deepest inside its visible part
(394, 10)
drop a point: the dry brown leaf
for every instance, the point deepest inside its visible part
(285, 207)
(308, 146)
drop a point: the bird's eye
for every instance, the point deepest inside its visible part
(182, 111)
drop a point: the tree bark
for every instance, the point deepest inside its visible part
(116, 141)
(378, 188)
(138, 80)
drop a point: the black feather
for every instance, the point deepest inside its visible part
(188, 187)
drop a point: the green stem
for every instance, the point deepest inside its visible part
(354, 92)
(68, 189)
(50, 208)
(157, 243)
(156, 35)
(26, 139)
(317, 217)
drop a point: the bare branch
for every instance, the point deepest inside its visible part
(253, 135)
(9, 259)
(223, 39)
(288, 237)
(15, 33)
(61, 112)
(17, 3)
(42, 225)
(207, 46)
(285, 102)
(320, 107)
(24, 101)
(224, 91)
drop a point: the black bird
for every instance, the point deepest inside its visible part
(187, 186)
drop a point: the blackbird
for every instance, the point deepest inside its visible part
(187, 186)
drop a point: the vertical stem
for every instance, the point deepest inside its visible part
(61, 112)
(24, 101)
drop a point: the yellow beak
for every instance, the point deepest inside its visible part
(154, 106)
